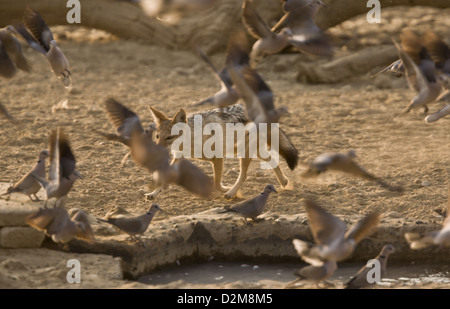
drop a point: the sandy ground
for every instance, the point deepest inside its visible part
(356, 114)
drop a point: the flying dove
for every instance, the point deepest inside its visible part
(268, 42)
(395, 67)
(439, 114)
(11, 56)
(133, 225)
(420, 71)
(124, 121)
(319, 272)
(359, 281)
(439, 238)
(333, 240)
(304, 34)
(62, 173)
(237, 49)
(57, 224)
(27, 184)
(343, 162)
(174, 8)
(438, 50)
(155, 158)
(39, 36)
(253, 207)
(257, 95)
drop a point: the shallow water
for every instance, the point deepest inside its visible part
(399, 275)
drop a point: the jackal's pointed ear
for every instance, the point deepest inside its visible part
(180, 116)
(158, 116)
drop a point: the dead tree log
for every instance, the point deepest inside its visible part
(347, 67)
(209, 28)
(338, 11)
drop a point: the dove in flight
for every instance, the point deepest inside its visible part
(39, 36)
(62, 228)
(62, 173)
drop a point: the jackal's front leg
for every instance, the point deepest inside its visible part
(218, 173)
(244, 163)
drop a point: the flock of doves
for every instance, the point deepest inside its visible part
(424, 61)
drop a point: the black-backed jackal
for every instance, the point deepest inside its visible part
(234, 114)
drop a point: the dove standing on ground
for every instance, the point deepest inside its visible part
(124, 121)
(155, 158)
(238, 49)
(57, 223)
(420, 71)
(268, 42)
(439, 238)
(62, 173)
(343, 162)
(11, 56)
(133, 225)
(360, 279)
(28, 185)
(305, 35)
(253, 207)
(39, 36)
(333, 240)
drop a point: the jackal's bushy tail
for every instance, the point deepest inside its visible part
(288, 150)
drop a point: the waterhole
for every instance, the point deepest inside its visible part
(217, 273)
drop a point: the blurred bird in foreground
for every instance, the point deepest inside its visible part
(39, 36)
(438, 238)
(173, 10)
(344, 162)
(332, 239)
(11, 56)
(124, 120)
(257, 95)
(62, 228)
(333, 243)
(155, 158)
(305, 35)
(420, 70)
(238, 50)
(62, 173)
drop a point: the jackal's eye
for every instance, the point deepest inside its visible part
(157, 136)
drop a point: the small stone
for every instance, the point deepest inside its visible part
(425, 183)
(260, 173)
